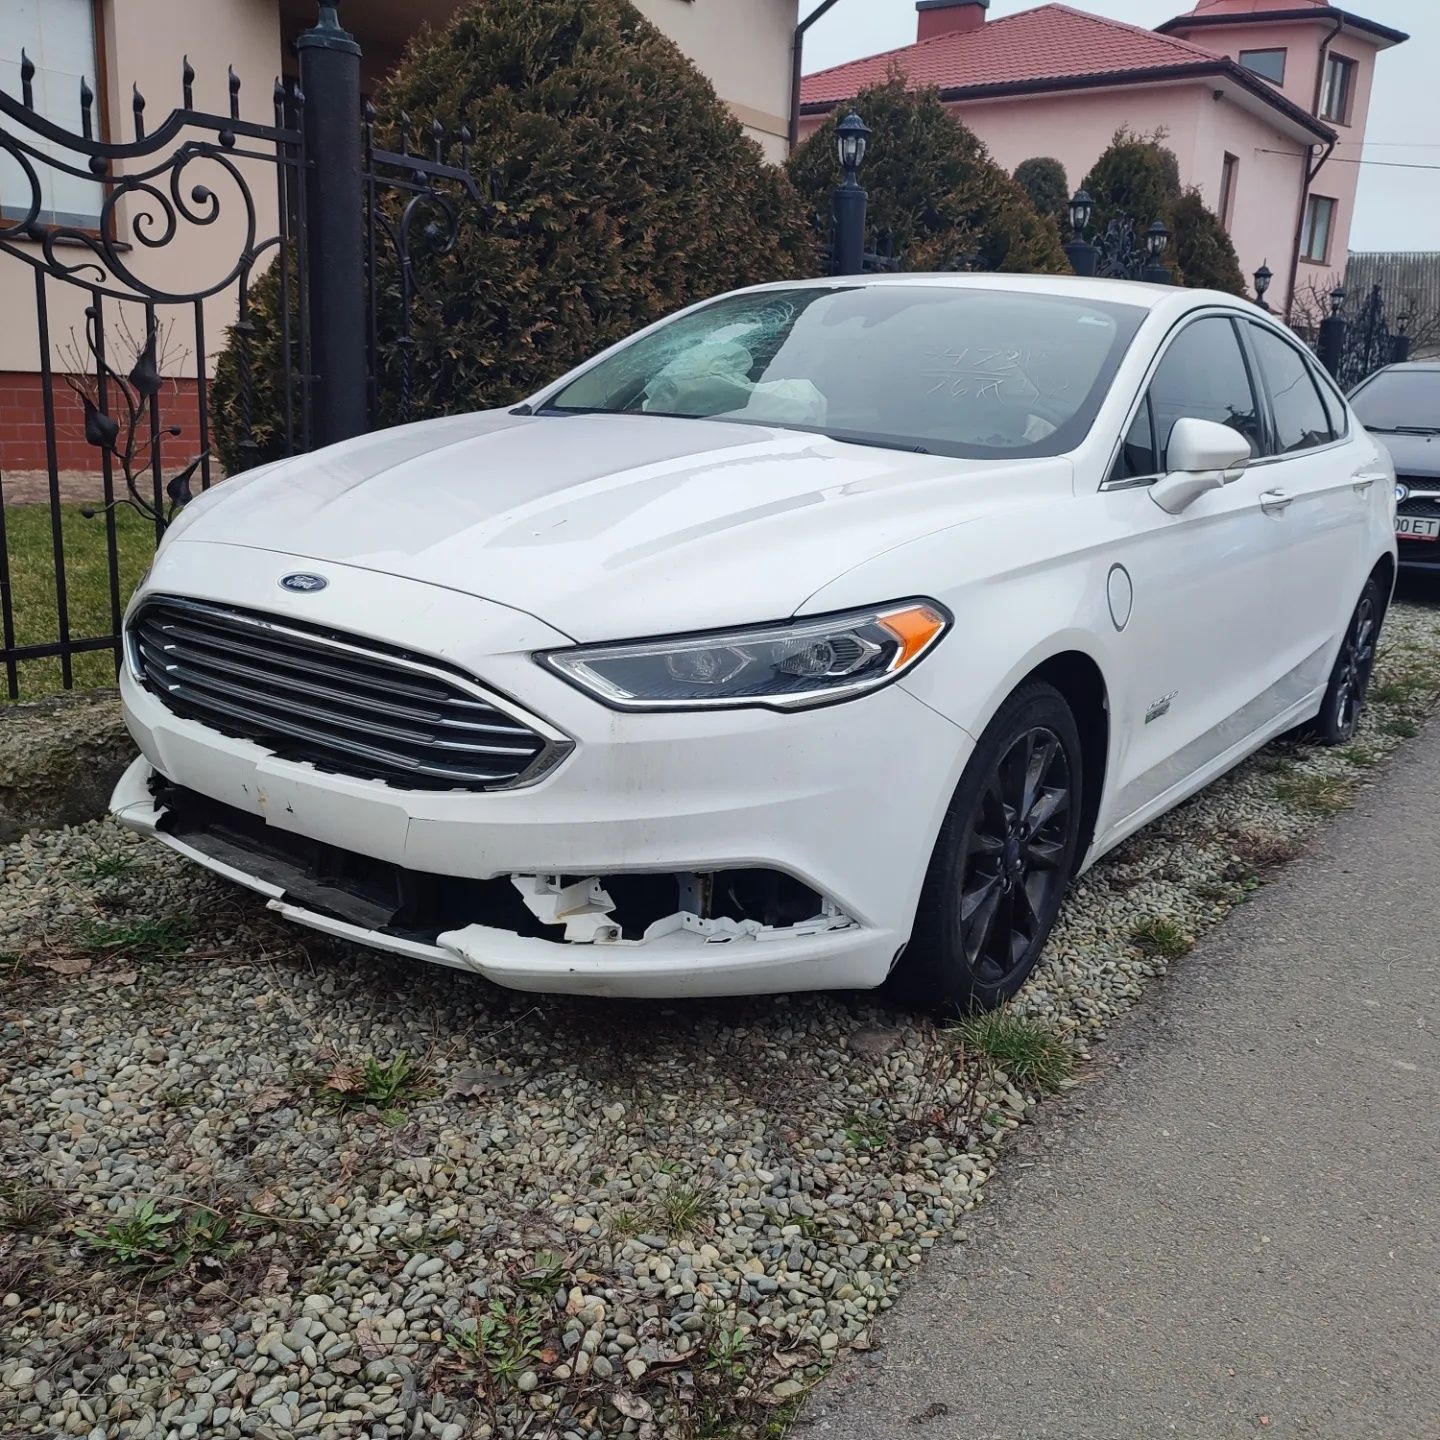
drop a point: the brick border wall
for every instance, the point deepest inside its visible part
(22, 423)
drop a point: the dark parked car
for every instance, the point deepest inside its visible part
(1401, 404)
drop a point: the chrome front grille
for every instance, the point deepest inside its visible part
(1427, 505)
(342, 703)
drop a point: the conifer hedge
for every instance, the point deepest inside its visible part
(1139, 177)
(1043, 179)
(626, 189)
(935, 193)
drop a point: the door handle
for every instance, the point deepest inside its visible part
(1363, 481)
(1272, 502)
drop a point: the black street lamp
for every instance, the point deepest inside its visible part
(1402, 344)
(852, 140)
(1263, 276)
(1157, 241)
(1082, 255)
(1334, 330)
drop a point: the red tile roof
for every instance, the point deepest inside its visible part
(1051, 42)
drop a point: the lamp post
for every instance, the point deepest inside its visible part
(1330, 343)
(1157, 241)
(1082, 255)
(852, 140)
(1401, 345)
(1263, 276)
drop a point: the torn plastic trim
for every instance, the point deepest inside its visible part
(586, 912)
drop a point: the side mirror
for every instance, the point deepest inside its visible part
(1202, 456)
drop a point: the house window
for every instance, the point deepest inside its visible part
(1319, 223)
(60, 36)
(1268, 64)
(1228, 173)
(1338, 93)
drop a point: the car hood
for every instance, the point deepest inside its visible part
(607, 526)
(1416, 457)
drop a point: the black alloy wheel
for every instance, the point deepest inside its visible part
(1344, 703)
(1011, 876)
(1003, 861)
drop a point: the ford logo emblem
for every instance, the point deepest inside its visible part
(1402, 493)
(303, 583)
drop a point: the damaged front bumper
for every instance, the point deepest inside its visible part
(729, 932)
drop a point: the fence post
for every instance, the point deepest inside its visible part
(1330, 343)
(330, 78)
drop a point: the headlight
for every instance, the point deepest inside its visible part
(785, 666)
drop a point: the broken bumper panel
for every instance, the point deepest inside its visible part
(374, 903)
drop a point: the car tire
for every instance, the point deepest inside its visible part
(1003, 862)
(1344, 702)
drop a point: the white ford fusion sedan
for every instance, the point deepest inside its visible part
(819, 633)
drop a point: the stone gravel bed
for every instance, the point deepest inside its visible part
(573, 1218)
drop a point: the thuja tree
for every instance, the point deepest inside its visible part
(1138, 177)
(623, 189)
(937, 199)
(1043, 180)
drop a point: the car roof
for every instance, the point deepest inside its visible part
(1410, 365)
(1115, 292)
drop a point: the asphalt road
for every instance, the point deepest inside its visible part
(1234, 1229)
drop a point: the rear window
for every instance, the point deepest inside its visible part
(950, 370)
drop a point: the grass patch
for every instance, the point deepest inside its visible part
(684, 1207)
(865, 1131)
(1400, 726)
(503, 1343)
(161, 1242)
(727, 1352)
(109, 867)
(1319, 794)
(625, 1225)
(1360, 755)
(1405, 689)
(87, 587)
(1159, 935)
(1026, 1051)
(162, 939)
(387, 1085)
(25, 1209)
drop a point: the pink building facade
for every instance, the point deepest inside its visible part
(1262, 101)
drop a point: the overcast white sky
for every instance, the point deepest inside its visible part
(1398, 209)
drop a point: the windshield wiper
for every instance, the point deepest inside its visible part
(876, 444)
(1415, 430)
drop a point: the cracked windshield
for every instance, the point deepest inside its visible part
(950, 371)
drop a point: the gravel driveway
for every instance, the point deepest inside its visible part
(564, 1218)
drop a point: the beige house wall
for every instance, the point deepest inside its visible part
(744, 46)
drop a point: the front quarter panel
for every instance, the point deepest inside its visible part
(1023, 587)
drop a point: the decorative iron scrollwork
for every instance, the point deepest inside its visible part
(152, 188)
(418, 220)
(131, 439)
(1122, 255)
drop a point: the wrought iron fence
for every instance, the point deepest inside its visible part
(1369, 343)
(135, 374)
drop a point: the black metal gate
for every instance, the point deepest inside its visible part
(124, 331)
(1353, 347)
